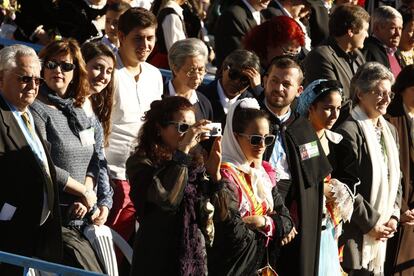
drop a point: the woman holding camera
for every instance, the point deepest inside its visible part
(170, 183)
(252, 220)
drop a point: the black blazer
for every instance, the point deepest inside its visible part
(273, 9)
(375, 51)
(23, 183)
(203, 109)
(233, 24)
(211, 93)
(328, 61)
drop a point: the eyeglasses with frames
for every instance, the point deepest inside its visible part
(29, 79)
(235, 74)
(64, 66)
(194, 71)
(256, 140)
(181, 126)
(381, 95)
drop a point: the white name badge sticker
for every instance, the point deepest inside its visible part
(7, 212)
(309, 150)
(87, 137)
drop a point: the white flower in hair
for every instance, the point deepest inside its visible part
(249, 103)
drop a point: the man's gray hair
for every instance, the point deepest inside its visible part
(383, 14)
(182, 49)
(9, 55)
(367, 78)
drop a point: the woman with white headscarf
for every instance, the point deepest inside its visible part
(251, 222)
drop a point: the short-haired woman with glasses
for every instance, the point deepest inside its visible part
(368, 153)
(170, 183)
(253, 220)
(187, 59)
(62, 122)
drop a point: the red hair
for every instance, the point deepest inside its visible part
(272, 33)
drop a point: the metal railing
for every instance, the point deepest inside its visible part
(26, 263)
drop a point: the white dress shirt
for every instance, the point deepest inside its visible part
(225, 102)
(131, 100)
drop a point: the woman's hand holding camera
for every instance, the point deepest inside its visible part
(194, 135)
(214, 160)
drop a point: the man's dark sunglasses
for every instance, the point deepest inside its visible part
(29, 79)
(235, 74)
(64, 66)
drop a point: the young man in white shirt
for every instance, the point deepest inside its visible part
(137, 85)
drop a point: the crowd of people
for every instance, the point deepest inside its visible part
(295, 160)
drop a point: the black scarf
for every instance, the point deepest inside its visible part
(64, 105)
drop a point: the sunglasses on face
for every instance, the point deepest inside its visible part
(29, 79)
(181, 126)
(256, 140)
(235, 74)
(64, 66)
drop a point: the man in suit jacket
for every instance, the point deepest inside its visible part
(234, 23)
(339, 57)
(240, 78)
(382, 45)
(29, 212)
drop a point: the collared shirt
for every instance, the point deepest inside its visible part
(36, 147)
(278, 159)
(131, 100)
(256, 14)
(193, 98)
(225, 102)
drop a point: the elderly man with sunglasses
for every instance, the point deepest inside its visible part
(301, 166)
(239, 78)
(29, 213)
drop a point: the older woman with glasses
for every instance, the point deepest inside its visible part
(170, 184)
(253, 221)
(187, 59)
(62, 122)
(368, 153)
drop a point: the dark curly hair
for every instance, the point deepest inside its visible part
(150, 144)
(101, 102)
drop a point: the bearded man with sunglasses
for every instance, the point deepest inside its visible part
(29, 214)
(301, 166)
